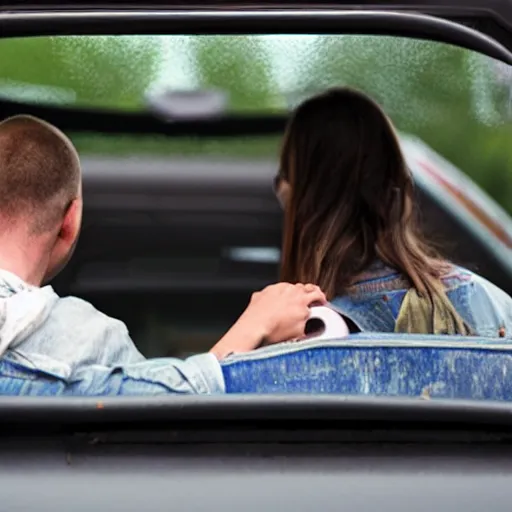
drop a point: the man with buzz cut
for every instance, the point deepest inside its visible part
(63, 346)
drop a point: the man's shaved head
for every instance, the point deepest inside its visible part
(39, 172)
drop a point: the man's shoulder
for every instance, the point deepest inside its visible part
(83, 314)
(76, 333)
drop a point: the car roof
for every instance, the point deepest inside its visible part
(490, 17)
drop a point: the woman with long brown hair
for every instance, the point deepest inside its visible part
(351, 228)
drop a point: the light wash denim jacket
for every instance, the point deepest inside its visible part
(374, 302)
(64, 346)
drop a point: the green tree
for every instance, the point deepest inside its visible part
(111, 72)
(238, 65)
(447, 96)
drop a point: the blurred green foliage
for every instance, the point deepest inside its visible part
(162, 146)
(112, 72)
(447, 96)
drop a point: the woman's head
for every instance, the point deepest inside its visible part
(348, 196)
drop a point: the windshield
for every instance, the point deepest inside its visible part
(452, 107)
(449, 97)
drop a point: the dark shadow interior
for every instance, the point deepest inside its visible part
(163, 244)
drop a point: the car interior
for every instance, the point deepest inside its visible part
(180, 219)
(179, 138)
(192, 239)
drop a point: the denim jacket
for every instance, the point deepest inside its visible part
(64, 346)
(374, 302)
(378, 364)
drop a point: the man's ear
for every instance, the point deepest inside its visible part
(70, 227)
(66, 240)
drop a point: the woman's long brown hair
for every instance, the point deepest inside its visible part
(352, 198)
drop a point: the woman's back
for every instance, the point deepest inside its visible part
(349, 201)
(375, 303)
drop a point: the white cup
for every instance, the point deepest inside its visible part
(332, 324)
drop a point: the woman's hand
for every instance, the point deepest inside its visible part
(277, 313)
